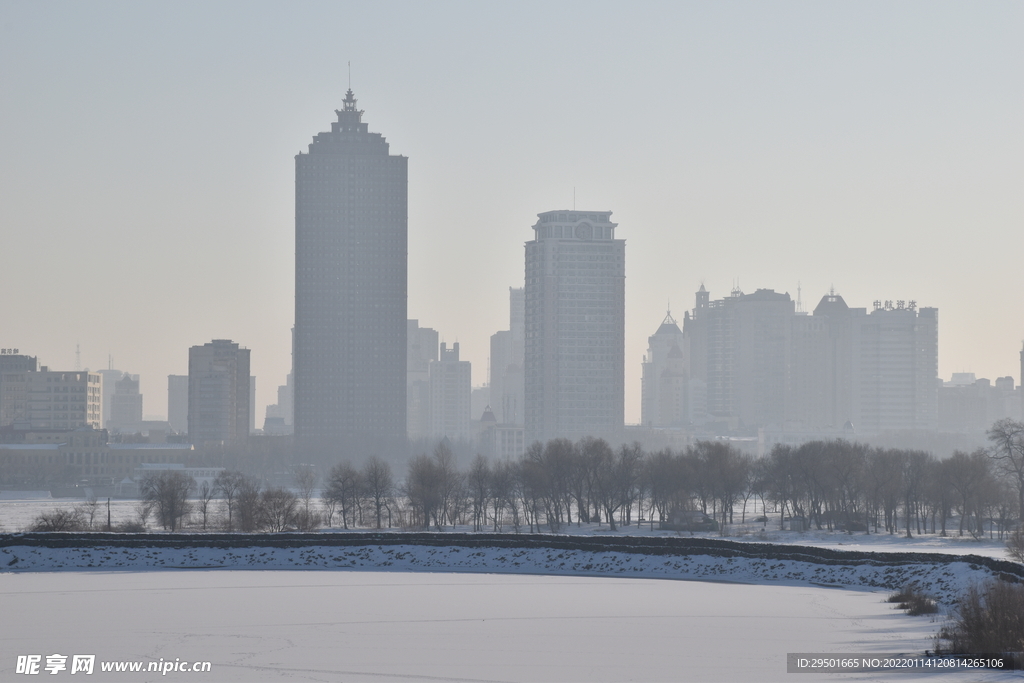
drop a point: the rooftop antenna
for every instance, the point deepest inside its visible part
(78, 357)
(799, 304)
(110, 362)
(350, 75)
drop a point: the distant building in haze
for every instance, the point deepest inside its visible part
(109, 386)
(421, 351)
(218, 392)
(668, 397)
(574, 327)
(451, 386)
(177, 403)
(746, 338)
(126, 405)
(50, 399)
(841, 370)
(507, 360)
(351, 247)
(14, 389)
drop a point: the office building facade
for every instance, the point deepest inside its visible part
(351, 246)
(218, 393)
(574, 319)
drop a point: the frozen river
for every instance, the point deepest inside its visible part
(381, 626)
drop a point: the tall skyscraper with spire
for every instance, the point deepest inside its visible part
(351, 254)
(575, 327)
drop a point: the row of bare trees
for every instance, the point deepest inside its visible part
(832, 484)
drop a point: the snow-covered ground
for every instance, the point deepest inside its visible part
(384, 626)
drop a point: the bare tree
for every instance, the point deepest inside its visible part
(306, 481)
(342, 490)
(967, 475)
(451, 481)
(423, 489)
(228, 484)
(168, 492)
(204, 496)
(248, 505)
(502, 491)
(1007, 437)
(278, 507)
(89, 509)
(479, 481)
(380, 485)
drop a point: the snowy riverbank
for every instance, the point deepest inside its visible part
(944, 576)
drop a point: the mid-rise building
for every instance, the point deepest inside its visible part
(218, 392)
(50, 399)
(574, 352)
(451, 386)
(351, 247)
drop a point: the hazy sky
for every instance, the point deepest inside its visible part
(147, 160)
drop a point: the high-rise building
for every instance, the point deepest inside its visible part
(177, 403)
(575, 306)
(451, 386)
(351, 243)
(746, 341)
(218, 392)
(896, 368)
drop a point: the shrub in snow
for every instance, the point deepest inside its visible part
(59, 519)
(914, 601)
(986, 619)
(1015, 544)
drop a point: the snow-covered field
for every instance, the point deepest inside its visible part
(385, 626)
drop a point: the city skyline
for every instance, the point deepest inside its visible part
(869, 148)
